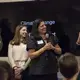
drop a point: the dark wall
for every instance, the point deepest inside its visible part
(65, 14)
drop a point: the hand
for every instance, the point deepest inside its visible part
(48, 46)
(77, 43)
(18, 73)
(78, 40)
(52, 47)
(15, 67)
(79, 34)
(20, 69)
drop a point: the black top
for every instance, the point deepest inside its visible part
(46, 63)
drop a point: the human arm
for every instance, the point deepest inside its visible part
(57, 49)
(78, 40)
(10, 56)
(26, 64)
(33, 53)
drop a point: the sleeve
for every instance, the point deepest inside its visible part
(10, 56)
(26, 64)
(31, 44)
(56, 41)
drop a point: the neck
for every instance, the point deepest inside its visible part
(43, 36)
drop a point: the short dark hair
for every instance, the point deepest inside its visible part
(34, 31)
(5, 68)
(68, 65)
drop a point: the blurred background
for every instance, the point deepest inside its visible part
(65, 14)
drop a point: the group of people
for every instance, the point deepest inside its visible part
(37, 51)
(34, 56)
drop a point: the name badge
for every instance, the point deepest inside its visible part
(40, 42)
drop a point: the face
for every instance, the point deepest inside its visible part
(23, 31)
(42, 28)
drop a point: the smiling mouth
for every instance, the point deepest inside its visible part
(44, 30)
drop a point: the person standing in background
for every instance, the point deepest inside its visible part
(17, 54)
(78, 40)
(1, 42)
(42, 48)
(78, 49)
(5, 32)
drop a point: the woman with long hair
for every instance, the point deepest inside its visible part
(42, 48)
(17, 53)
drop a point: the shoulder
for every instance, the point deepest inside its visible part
(31, 38)
(54, 36)
(11, 42)
(31, 44)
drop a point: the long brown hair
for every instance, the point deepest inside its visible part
(16, 39)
